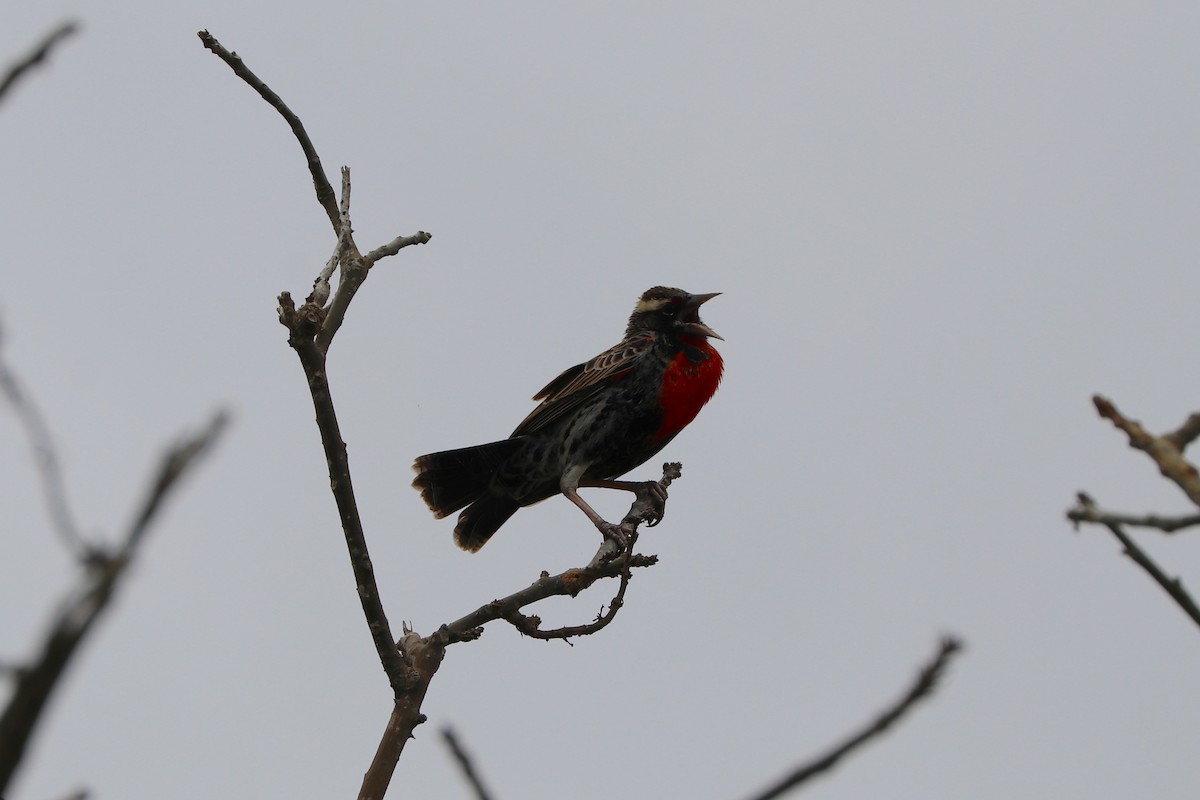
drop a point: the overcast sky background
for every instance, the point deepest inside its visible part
(939, 229)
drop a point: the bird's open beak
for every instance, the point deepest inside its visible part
(691, 312)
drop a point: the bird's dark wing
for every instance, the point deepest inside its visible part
(571, 389)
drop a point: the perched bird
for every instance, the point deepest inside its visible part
(597, 421)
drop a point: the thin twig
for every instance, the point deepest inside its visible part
(1172, 586)
(175, 463)
(1185, 434)
(85, 605)
(395, 246)
(565, 584)
(1084, 512)
(325, 195)
(37, 56)
(466, 764)
(927, 681)
(320, 292)
(45, 457)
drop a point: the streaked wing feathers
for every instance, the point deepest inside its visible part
(576, 385)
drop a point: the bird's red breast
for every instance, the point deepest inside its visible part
(687, 385)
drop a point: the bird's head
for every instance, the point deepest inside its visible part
(666, 310)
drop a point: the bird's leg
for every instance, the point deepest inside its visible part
(569, 486)
(651, 492)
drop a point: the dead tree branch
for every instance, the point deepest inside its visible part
(37, 56)
(1086, 511)
(1185, 434)
(1172, 586)
(1167, 451)
(423, 655)
(466, 764)
(85, 604)
(324, 190)
(311, 329)
(302, 325)
(354, 266)
(927, 681)
(45, 457)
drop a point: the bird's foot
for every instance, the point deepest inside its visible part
(654, 496)
(615, 534)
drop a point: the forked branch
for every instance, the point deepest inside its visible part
(355, 266)
(423, 655)
(85, 604)
(1167, 452)
(1085, 510)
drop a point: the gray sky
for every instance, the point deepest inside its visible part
(939, 229)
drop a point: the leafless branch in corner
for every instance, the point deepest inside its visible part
(1086, 511)
(37, 56)
(1172, 586)
(926, 682)
(87, 601)
(466, 764)
(1167, 453)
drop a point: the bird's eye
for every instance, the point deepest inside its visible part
(669, 310)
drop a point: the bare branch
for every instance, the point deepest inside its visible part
(607, 563)
(176, 463)
(421, 656)
(395, 246)
(85, 605)
(325, 195)
(45, 457)
(1086, 511)
(466, 764)
(320, 292)
(1172, 586)
(1185, 434)
(411, 663)
(302, 324)
(926, 682)
(37, 56)
(566, 584)
(1165, 450)
(354, 266)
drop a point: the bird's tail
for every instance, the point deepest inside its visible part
(455, 478)
(481, 519)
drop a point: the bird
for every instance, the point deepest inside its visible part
(596, 421)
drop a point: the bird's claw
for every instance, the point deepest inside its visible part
(614, 533)
(654, 494)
